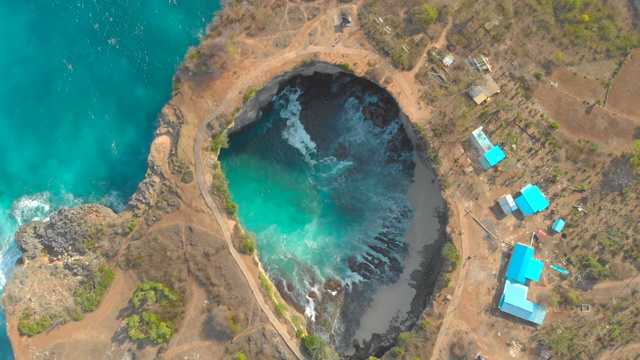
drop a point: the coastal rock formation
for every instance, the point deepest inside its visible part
(167, 232)
(57, 255)
(69, 232)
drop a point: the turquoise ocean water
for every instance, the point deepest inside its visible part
(317, 200)
(82, 84)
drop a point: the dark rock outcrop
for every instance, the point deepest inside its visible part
(68, 232)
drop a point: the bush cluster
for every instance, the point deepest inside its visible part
(89, 294)
(155, 307)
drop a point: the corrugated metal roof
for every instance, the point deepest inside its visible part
(507, 204)
(532, 200)
(558, 225)
(514, 301)
(523, 266)
(495, 155)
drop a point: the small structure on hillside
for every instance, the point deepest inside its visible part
(507, 204)
(484, 90)
(558, 225)
(346, 20)
(448, 60)
(490, 155)
(531, 200)
(522, 268)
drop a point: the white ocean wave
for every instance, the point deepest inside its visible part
(294, 133)
(32, 207)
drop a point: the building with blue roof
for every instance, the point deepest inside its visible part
(490, 155)
(558, 225)
(514, 301)
(523, 266)
(531, 200)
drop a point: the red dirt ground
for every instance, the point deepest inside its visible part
(579, 86)
(625, 93)
(614, 131)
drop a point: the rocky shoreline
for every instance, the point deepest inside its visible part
(165, 214)
(335, 302)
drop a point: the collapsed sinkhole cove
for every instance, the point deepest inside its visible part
(349, 222)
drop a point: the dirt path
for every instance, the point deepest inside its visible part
(405, 96)
(453, 305)
(617, 288)
(222, 223)
(115, 298)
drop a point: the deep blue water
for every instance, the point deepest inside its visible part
(318, 198)
(82, 84)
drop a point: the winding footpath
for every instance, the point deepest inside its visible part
(198, 149)
(291, 57)
(220, 219)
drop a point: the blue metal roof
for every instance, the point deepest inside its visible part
(558, 225)
(514, 301)
(531, 200)
(523, 266)
(495, 155)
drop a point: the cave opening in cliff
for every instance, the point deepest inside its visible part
(344, 211)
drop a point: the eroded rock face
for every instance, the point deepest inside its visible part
(57, 255)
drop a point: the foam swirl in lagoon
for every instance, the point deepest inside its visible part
(319, 193)
(82, 87)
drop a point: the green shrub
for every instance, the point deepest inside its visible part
(425, 324)
(424, 15)
(132, 225)
(347, 66)
(297, 321)
(539, 75)
(249, 95)
(29, 326)
(267, 286)
(233, 323)
(248, 243)
(221, 187)
(74, 314)
(281, 308)
(573, 299)
(153, 292)
(219, 141)
(554, 125)
(241, 356)
(446, 280)
(156, 298)
(593, 268)
(315, 347)
(89, 293)
(193, 53)
(451, 255)
(149, 326)
(405, 338)
(553, 300)
(398, 351)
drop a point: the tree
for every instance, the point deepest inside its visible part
(424, 15)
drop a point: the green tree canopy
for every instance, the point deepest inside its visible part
(424, 15)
